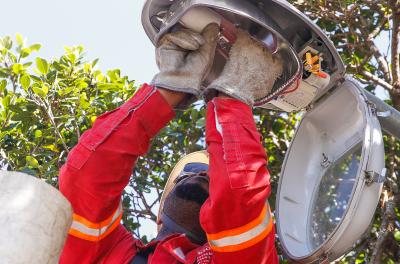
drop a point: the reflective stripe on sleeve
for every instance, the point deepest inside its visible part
(87, 230)
(244, 236)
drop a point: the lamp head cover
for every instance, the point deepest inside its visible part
(327, 195)
(276, 24)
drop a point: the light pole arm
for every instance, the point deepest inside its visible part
(388, 116)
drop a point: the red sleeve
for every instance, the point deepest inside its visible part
(97, 171)
(236, 217)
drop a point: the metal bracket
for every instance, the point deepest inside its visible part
(325, 163)
(374, 177)
(372, 106)
(384, 114)
(375, 111)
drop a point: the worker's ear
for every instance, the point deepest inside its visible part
(159, 222)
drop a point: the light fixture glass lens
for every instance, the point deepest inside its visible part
(333, 195)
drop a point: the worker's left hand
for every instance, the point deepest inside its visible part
(184, 59)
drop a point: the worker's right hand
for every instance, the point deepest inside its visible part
(184, 59)
(249, 73)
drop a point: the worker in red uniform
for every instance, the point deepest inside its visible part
(219, 216)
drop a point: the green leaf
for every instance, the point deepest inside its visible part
(114, 75)
(3, 85)
(7, 42)
(3, 74)
(13, 58)
(35, 47)
(3, 116)
(65, 91)
(93, 119)
(94, 63)
(58, 66)
(52, 148)
(82, 85)
(397, 235)
(83, 101)
(6, 101)
(201, 122)
(32, 162)
(38, 133)
(38, 91)
(71, 57)
(17, 68)
(25, 81)
(87, 67)
(105, 86)
(42, 65)
(20, 39)
(35, 78)
(45, 89)
(25, 52)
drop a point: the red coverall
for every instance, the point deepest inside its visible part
(236, 216)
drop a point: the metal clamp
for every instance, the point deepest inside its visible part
(374, 177)
(374, 110)
(372, 106)
(384, 114)
(325, 163)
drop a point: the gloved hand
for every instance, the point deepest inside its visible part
(249, 73)
(184, 59)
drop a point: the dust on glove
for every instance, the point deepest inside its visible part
(249, 73)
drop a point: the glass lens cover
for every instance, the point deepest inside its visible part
(332, 196)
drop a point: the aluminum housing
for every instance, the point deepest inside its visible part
(293, 28)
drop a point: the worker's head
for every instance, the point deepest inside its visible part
(181, 208)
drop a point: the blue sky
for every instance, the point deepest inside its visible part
(109, 30)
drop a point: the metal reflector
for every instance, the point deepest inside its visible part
(276, 24)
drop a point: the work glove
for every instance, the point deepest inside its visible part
(249, 73)
(184, 59)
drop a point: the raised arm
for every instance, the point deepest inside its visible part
(99, 167)
(237, 217)
(97, 171)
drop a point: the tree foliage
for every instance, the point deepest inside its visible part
(46, 105)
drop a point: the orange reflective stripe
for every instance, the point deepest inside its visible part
(244, 236)
(247, 244)
(84, 236)
(87, 230)
(90, 224)
(242, 229)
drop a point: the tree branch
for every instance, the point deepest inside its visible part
(395, 5)
(379, 27)
(148, 208)
(383, 64)
(47, 109)
(369, 76)
(388, 215)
